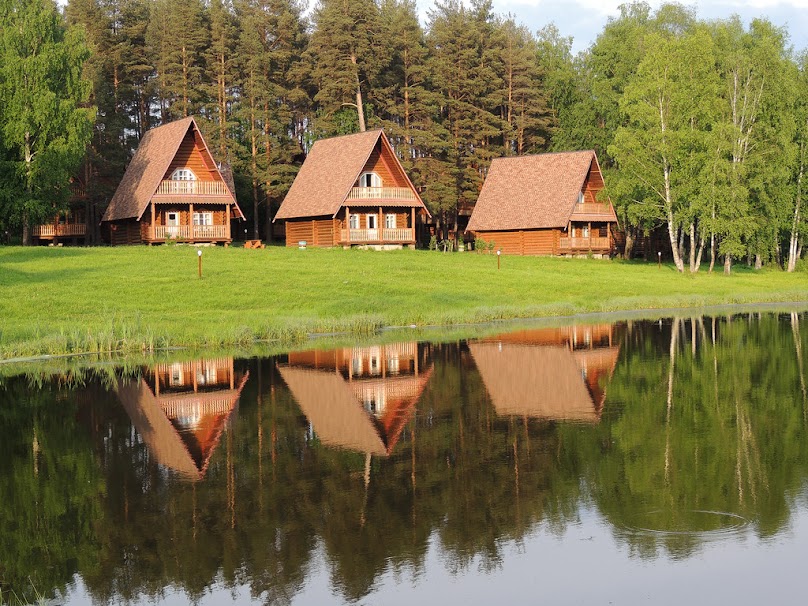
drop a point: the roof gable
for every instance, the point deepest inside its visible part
(330, 171)
(531, 192)
(148, 167)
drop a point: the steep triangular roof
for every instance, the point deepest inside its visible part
(148, 167)
(532, 192)
(330, 171)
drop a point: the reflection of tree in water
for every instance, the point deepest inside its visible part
(50, 491)
(723, 395)
(460, 477)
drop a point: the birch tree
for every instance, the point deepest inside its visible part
(668, 110)
(45, 124)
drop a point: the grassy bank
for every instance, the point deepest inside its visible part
(63, 300)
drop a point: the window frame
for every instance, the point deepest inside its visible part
(183, 174)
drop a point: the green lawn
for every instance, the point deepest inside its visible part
(62, 300)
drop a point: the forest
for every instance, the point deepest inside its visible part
(700, 126)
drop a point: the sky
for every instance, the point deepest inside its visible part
(585, 19)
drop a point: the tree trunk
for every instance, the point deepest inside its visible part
(795, 225)
(727, 264)
(360, 110)
(629, 243)
(254, 167)
(677, 260)
(758, 261)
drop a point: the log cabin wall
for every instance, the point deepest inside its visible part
(321, 232)
(161, 212)
(385, 168)
(125, 232)
(592, 184)
(523, 242)
(189, 155)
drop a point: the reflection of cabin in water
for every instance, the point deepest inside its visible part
(551, 373)
(180, 410)
(359, 398)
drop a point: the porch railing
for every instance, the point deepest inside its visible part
(192, 188)
(189, 232)
(358, 236)
(381, 193)
(592, 208)
(53, 231)
(594, 243)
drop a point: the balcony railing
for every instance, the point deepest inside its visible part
(593, 208)
(191, 232)
(594, 243)
(192, 188)
(359, 236)
(381, 193)
(55, 231)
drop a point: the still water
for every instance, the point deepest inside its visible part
(641, 462)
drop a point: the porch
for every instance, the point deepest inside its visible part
(187, 233)
(595, 244)
(403, 235)
(61, 230)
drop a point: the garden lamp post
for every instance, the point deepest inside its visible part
(199, 254)
(499, 253)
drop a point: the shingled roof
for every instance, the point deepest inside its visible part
(330, 171)
(147, 169)
(531, 192)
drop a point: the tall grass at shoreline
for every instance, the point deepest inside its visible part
(91, 300)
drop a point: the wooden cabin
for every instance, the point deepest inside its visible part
(172, 190)
(352, 191)
(546, 204)
(359, 398)
(181, 409)
(554, 374)
(69, 225)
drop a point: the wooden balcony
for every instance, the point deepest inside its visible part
(379, 236)
(58, 231)
(192, 188)
(593, 210)
(594, 243)
(189, 233)
(381, 193)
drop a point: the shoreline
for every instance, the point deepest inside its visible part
(314, 340)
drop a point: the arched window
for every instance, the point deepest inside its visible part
(183, 174)
(370, 180)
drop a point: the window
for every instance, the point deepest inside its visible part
(370, 180)
(390, 221)
(354, 222)
(373, 221)
(172, 219)
(585, 231)
(203, 218)
(580, 197)
(183, 174)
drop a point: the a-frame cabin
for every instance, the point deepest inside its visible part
(172, 190)
(352, 190)
(545, 204)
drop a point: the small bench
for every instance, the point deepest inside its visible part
(254, 244)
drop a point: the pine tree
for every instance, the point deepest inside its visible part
(178, 34)
(347, 52)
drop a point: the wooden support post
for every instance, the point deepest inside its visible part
(381, 226)
(348, 224)
(191, 221)
(153, 214)
(412, 223)
(227, 222)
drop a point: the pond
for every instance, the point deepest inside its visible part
(643, 461)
